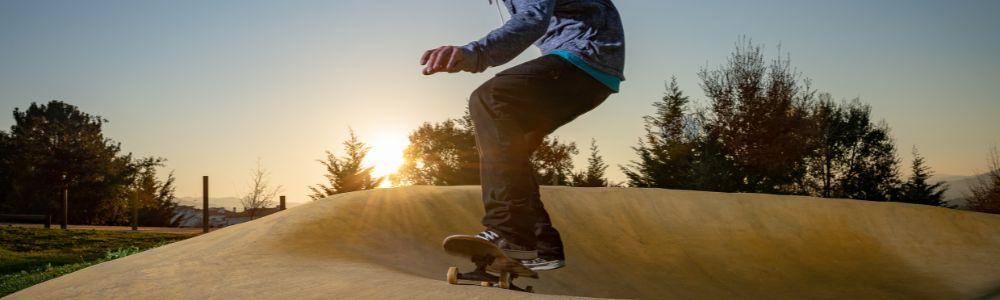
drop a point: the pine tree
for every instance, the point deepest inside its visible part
(346, 174)
(155, 198)
(669, 121)
(917, 190)
(594, 175)
(666, 157)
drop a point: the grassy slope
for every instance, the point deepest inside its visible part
(29, 256)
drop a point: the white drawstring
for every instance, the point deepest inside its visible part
(499, 12)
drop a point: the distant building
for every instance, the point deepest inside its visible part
(189, 216)
(233, 217)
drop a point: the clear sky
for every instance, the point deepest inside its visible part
(213, 86)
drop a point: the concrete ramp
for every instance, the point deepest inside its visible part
(621, 243)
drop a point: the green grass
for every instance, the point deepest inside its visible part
(29, 256)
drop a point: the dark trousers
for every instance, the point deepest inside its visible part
(512, 113)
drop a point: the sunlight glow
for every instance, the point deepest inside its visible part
(386, 155)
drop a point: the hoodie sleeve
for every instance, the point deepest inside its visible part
(528, 23)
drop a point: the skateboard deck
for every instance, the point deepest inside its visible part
(488, 259)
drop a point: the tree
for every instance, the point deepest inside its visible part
(917, 190)
(854, 157)
(594, 175)
(441, 154)
(346, 174)
(872, 168)
(446, 154)
(827, 163)
(53, 141)
(553, 161)
(764, 131)
(666, 151)
(260, 194)
(761, 118)
(681, 150)
(156, 200)
(712, 168)
(985, 193)
(5, 170)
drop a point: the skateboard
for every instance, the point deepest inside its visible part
(488, 259)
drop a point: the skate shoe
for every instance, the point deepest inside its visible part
(544, 264)
(511, 250)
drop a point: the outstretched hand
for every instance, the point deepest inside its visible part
(449, 59)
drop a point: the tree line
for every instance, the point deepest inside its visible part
(55, 146)
(445, 153)
(765, 130)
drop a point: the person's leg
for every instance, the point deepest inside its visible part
(548, 241)
(507, 181)
(512, 113)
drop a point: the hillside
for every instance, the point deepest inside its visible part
(958, 187)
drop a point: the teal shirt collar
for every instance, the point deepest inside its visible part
(611, 81)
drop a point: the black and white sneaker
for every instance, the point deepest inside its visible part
(544, 264)
(510, 249)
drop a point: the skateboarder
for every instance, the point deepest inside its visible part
(583, 56)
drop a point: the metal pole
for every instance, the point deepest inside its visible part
(204, 202)
(282, 205)
(135, 211)
(65, 205)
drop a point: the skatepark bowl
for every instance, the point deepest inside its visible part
(620, 243)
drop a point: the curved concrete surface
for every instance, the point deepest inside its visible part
(622, 243)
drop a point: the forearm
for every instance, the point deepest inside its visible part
(526, 26)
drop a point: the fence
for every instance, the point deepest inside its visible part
(47, 219)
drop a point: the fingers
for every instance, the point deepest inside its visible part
(444, 58)
(432, 61)
(427, 55)
(453, 60)
(441, 58)
(428, 70)
(428, 61)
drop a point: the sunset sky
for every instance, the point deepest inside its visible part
(213, 86)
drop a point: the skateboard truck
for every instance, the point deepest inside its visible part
(504, 281)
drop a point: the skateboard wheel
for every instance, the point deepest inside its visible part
(529, 289)
(485, 284)
(453, 275)
(505, 279)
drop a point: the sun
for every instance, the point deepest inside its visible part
(386, 156)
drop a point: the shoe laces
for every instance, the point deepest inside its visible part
(534, 261)
(488, 235)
